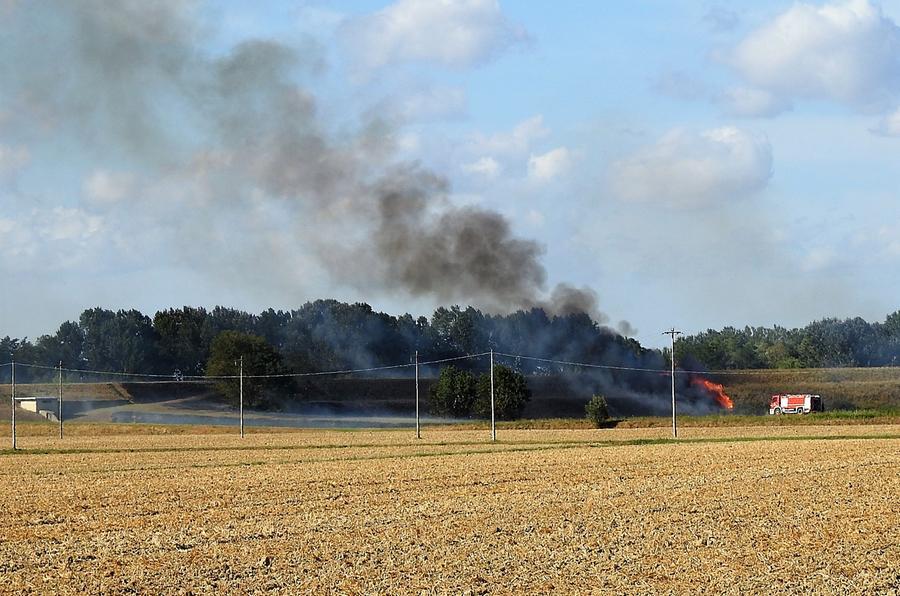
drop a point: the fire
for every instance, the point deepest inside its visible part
(718, 391)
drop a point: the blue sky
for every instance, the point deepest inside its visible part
(696, 164)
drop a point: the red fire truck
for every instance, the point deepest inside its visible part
(795, 403)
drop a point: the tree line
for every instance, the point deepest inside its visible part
(326, 335)
(322, 335)
(828, 342)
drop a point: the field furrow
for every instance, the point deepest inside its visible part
(542, 511)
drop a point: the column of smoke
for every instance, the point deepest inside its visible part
(637, 383)
(644, 393)
(228, 158)
(217, 144)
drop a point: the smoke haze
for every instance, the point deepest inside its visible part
(232, 161)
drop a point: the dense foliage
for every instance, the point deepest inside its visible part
(453, 394)
(329, 335)
(825, 343)
(319, 336)
(232, 349)
(459, 394)
(511, 394)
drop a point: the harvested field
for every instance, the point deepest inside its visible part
(755, 510)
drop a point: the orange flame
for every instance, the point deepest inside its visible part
(718, 391)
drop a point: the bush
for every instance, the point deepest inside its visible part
(511, 393)
(453, 394)
(597, 411)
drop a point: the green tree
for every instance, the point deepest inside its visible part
(457, 331)
(259, 359)
(65, 345)
(892, 323)
(453, 394)
(597, 411)
(221, 319)
(511, 394)
(180, 332)
(122, 341)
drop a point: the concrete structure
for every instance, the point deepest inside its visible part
(45, 406)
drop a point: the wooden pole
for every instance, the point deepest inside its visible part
(13, 404)
(242, 397)
(59, 408)
(673, 332)
(493, 418)
(674, 423)
(418, 427)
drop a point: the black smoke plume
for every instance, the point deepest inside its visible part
(226, 162)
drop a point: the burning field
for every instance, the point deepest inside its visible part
(716, 390)
(541, 511)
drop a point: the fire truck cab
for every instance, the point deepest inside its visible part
(795, 403)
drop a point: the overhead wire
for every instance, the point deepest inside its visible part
(172, 378)
(580, 364)
(103, 372)
(177, 378)
(351, 370)
(681, 371)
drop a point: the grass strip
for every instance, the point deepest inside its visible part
(518, 445)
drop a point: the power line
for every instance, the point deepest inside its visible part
(696, 372)
(345, 371)
(173, 379)
(581, 364)
(360, 370)
(169, 378)
(110, 373)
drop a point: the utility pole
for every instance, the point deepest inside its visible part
(59, 409)
(493, 420)
(13, 403)
(242, 395)
(418, 429)
(673, 332)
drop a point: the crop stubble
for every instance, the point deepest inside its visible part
(368, 512)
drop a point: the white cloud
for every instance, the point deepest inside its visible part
(692, 169)
(749, 102)
(50, 239)
(819, 258)
(409, 143)
(486, 166)
(889, 126)
(454, 33)
(107, 187)
(549, 165)
(518, 141)
(68, 224)
(434, 103)
(847, 51)
(515, 152)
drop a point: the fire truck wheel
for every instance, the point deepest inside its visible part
(778, 411)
